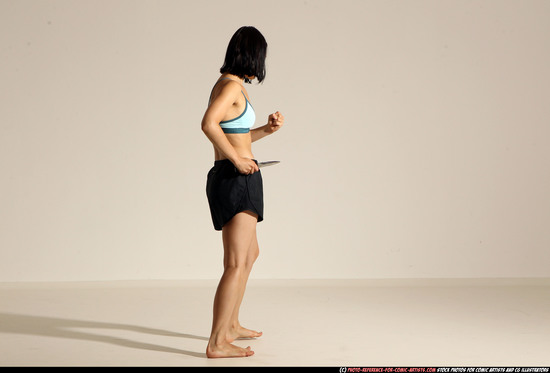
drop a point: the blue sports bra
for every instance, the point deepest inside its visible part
(241, 124)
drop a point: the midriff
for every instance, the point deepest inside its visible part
(241, 142)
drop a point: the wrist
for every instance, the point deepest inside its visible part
(233, 157)
(235, 161)
(267, 129)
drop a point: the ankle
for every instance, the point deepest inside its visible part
(217, 340)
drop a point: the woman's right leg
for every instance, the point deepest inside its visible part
(237, 234)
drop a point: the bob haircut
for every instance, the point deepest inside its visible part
(246, 54)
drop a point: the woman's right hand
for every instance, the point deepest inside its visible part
(246, 166)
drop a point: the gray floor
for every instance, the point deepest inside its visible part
(432, 322)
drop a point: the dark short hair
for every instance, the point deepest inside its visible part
(246, 54)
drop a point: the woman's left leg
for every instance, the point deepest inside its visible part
(237, 236)
(237, 330)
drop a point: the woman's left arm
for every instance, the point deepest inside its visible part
(274, 123)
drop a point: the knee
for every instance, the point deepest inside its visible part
(253, 256)
(256, 254)
(235, 269)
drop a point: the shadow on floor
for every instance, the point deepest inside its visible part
(63, 328)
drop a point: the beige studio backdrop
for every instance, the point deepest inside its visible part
(416, 141)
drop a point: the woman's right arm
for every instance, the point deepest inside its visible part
(211, 127)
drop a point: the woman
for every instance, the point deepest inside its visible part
(234, 184)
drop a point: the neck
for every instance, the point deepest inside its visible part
(233, 77)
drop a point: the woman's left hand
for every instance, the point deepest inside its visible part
(275, 121)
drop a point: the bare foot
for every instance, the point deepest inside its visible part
(227, 350)
(242, 333)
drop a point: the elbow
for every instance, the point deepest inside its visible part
(207, 126)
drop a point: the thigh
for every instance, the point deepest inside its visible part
(238, 235)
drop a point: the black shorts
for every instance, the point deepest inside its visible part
(230, 192)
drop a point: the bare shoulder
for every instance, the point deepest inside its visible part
(227, 89)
